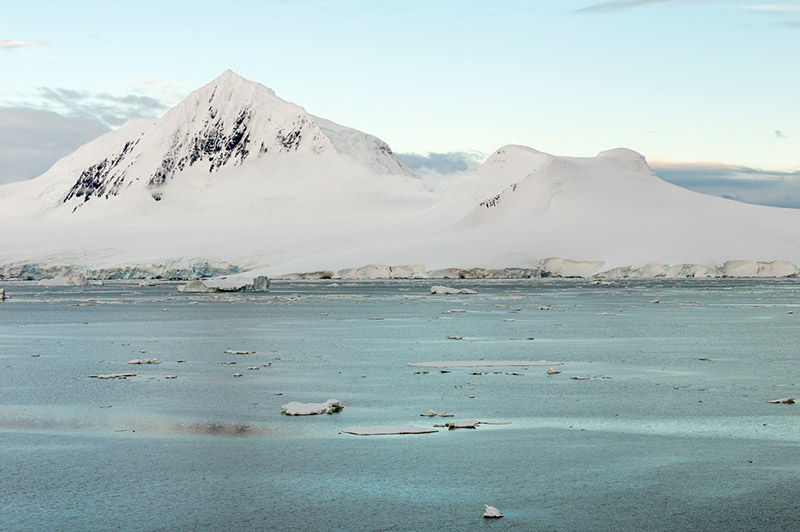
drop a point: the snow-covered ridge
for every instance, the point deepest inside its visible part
(246, 178)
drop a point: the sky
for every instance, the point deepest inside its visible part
(705, 89)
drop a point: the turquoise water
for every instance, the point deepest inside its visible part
(671, 432)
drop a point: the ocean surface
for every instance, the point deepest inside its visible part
(672, 430)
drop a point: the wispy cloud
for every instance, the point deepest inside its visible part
(110, 109)
(9, 44)
(442, 163)
(741, 183)
(779, 7)
(616, 5)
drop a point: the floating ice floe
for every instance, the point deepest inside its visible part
(235, 352)
(197, 287)
(784, 401)
(454, 337)
(113, 376)
(432, 413)
(294, 408)
(385, 430)
(553, 371)
(491, 512)
(482, 363)
(144, 361)
(233, 283)
(468, 424)
(447, 291)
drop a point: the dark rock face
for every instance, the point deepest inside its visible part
(495, 201)
(210, 144)
(103, 178)
(215, 144)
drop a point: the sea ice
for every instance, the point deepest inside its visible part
(784, 401)
(492, 512)
(378, 430)
(482, 363)
(294, 408)
(447, 291)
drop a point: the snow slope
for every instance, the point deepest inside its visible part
(236, 175)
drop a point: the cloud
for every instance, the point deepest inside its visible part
(31, 140)
(780, 7)
(617, 5)
(742, 183)
(109, 109)
(780, 134)
(8, 44)
(442, 163)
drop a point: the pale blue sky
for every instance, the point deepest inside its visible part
(681, 81)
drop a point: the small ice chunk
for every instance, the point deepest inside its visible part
(784, 401)
(144, 361)
(447, 291)
(553, 371)
(482, 363)
(235, 352)
(492, 512)
(198, 287)
(381, 430)
(309, 409)
(468, 424)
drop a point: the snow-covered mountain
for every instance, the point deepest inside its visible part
(614, 208)
(224, 123)
(236, 175)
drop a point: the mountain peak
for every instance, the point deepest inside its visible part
(229, 75)
(221, 124)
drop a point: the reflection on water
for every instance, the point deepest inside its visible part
(138, 425)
